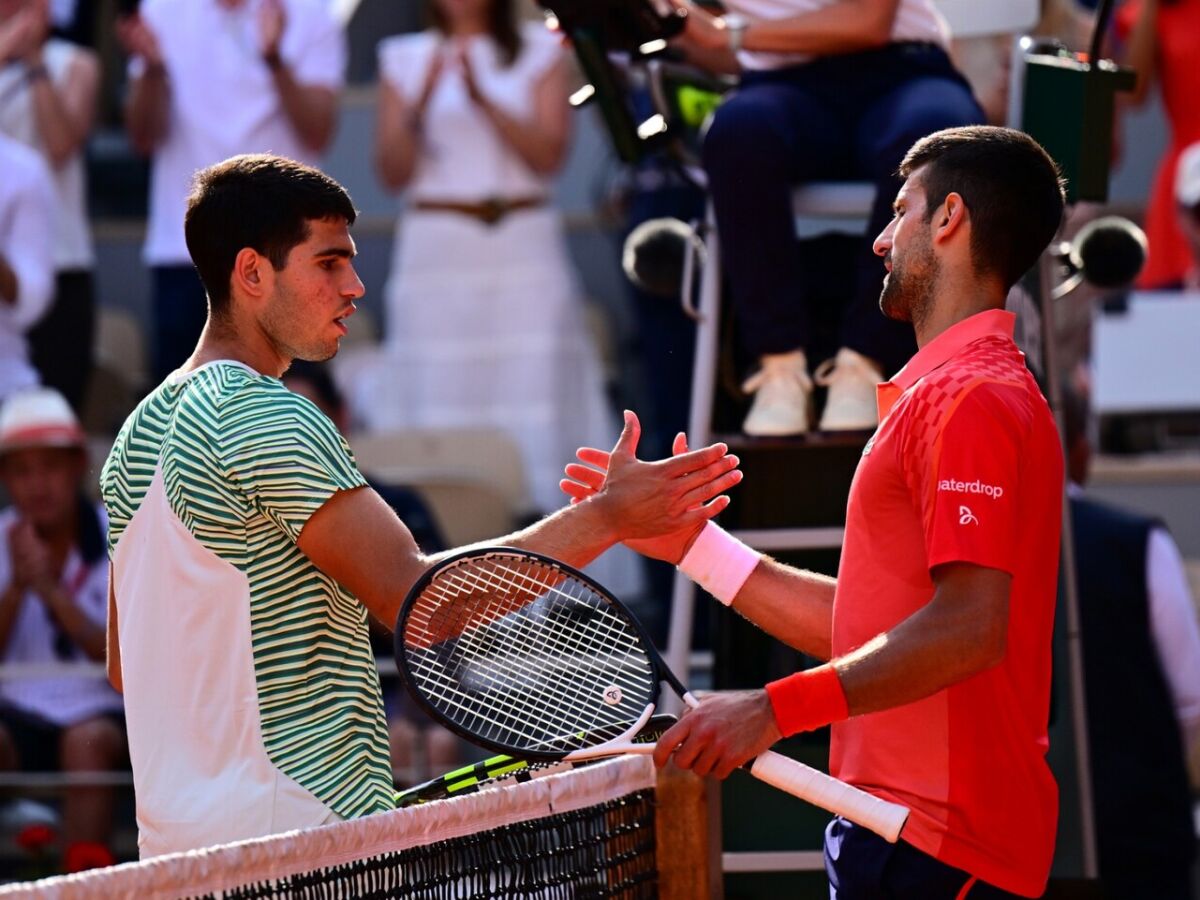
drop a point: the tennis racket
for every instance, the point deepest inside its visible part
(524, 655)
(500, 770)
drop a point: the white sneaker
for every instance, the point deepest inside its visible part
(782, 396)
(851, 404)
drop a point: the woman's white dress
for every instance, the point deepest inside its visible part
(484, 323)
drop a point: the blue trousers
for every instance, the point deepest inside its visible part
(863, 866)
(839, 118)
(180, 308)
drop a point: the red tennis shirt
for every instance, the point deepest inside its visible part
(965, 467)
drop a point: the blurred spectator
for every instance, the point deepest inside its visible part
(26, 257)
(54, 600)
(830, 90)
(48, 91)
(485, 322)
(212, 79)
(1187, 200)
(1141, 647)
(1163, 37)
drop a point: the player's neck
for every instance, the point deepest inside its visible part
(223, 340)
(954, 301)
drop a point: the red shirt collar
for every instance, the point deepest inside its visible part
(941, 349)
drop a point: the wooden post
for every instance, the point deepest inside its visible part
(688, 835)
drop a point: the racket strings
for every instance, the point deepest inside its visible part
(524, 656)
(562, 700)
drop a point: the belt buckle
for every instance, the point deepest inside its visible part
(493, 209)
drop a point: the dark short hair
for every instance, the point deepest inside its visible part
(259, 201)
(1012, 188)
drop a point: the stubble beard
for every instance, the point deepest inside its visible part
(908, 290)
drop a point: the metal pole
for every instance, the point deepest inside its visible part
(1070, 586)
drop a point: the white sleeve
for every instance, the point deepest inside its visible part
(322, 59)
(1175, 629)
(28, 244)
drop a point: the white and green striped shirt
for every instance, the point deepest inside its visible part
(251, 693)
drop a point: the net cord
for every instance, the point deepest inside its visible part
(232, 866)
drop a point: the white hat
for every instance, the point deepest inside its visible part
(1187, 176)
(38, 417)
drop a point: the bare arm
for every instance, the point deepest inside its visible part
(541, 141)
(82, 631)
(311, 108)
(792, 605)
(357, 540)
(64, 115)
(961, 632)
(112, 643)
(10, 605)
(148, 104)
(8, 282)
(843, 27)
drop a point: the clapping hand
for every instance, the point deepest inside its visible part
(272, 22)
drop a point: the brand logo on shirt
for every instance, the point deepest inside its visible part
(966, 517)
(954, 486)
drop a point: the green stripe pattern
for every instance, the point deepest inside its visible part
(245, 462)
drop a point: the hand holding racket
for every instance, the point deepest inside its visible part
(525, 656)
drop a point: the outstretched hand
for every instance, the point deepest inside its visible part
(696, 479)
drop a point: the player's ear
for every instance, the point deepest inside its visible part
(951, 217)
(251, 273)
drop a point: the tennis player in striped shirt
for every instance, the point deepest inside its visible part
(246, 548)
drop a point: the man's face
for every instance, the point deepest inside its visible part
(906, 246)
(43, 482)
(314, 294)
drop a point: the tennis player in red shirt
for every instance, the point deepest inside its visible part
(938, 626)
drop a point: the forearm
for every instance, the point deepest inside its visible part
(575, 535)
(940, 645)
(397, 146)
(82, 631)
(60, 136)
(311, 109)
(792, 605)
(843, 27)
(147, 109)
(539, 149)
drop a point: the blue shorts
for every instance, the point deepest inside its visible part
(863, 866)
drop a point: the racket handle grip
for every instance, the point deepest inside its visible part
(884, 818)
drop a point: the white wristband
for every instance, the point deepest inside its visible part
(719, 562)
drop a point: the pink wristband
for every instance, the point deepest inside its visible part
(719, 562)
(808, 700)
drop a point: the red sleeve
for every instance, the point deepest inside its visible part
(966, 480)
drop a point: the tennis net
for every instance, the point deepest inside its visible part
(585, 834)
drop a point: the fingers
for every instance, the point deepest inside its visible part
(712, 485)
(679, 445)
(574, 490)
(585, 475)
(696, 459)
(630, 435)
(672, 738)
(593, 457)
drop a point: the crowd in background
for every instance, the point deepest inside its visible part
(484, 323)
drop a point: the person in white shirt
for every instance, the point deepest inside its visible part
(211, 79)
(26, 258)
(48, 91)
(53, 601)
(831, 90)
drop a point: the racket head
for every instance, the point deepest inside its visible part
(524, 655)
